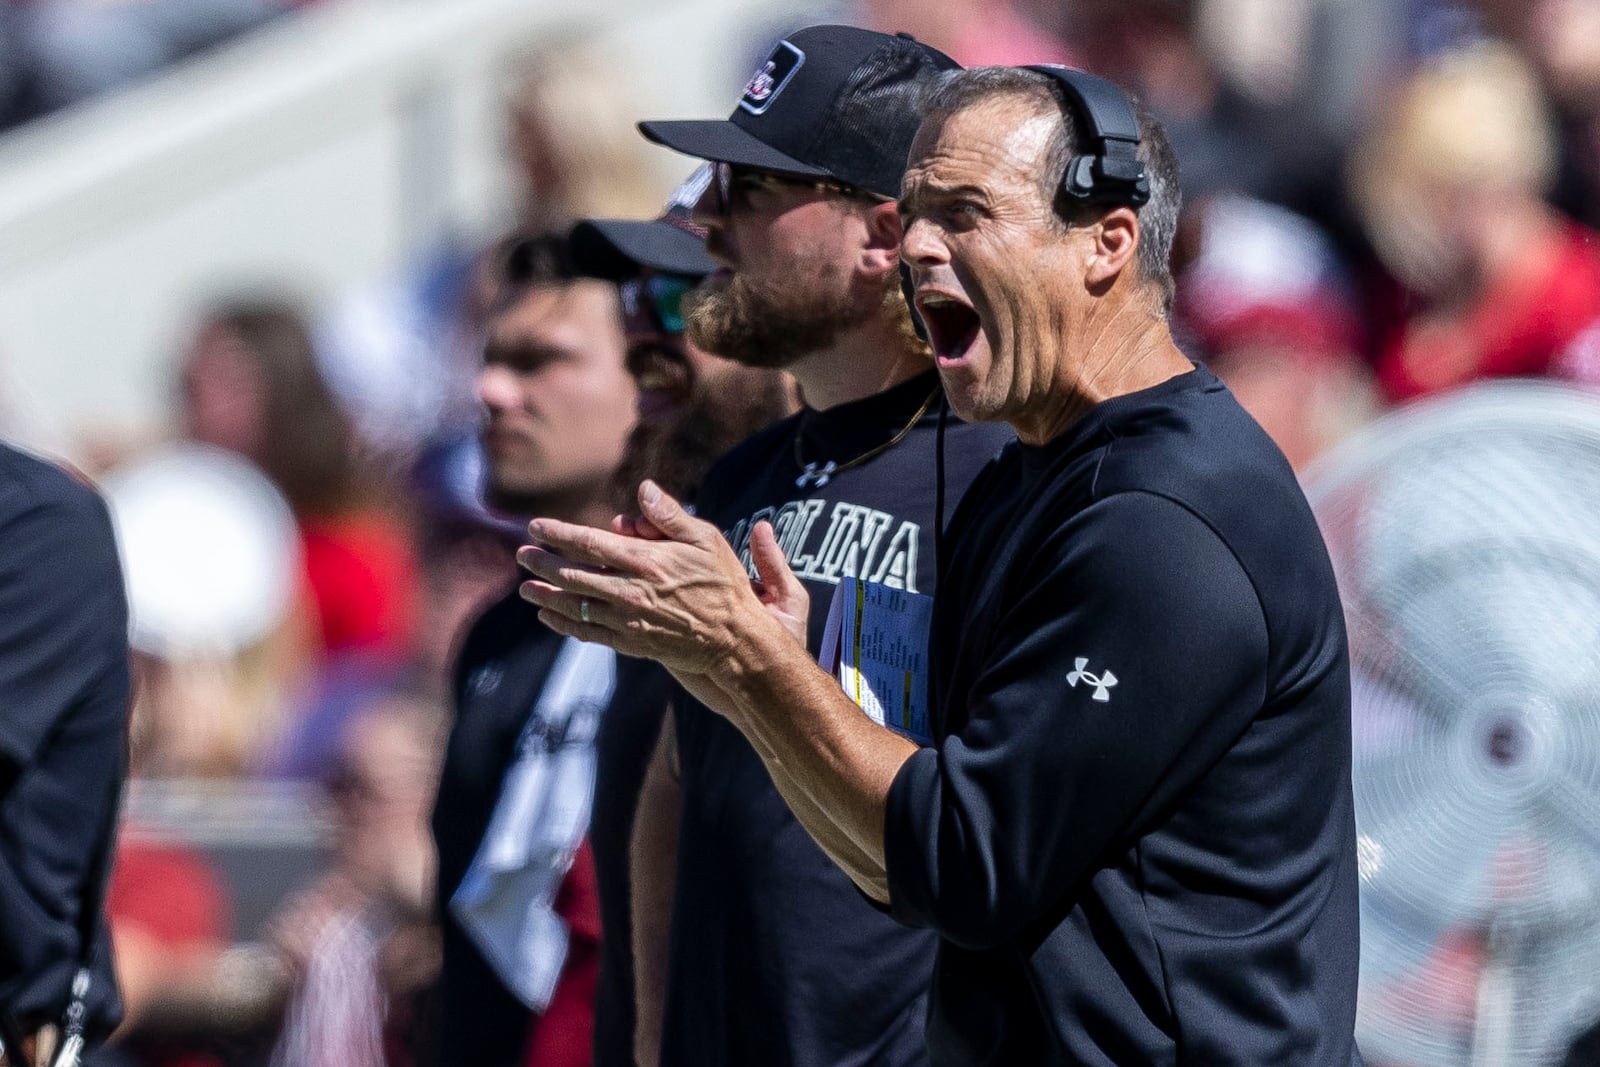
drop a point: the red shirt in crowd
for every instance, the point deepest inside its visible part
(363, 580)
(1521, 324)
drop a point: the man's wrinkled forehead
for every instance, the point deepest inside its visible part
(996, 137)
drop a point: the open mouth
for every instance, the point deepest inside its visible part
(664, 378)
(952, 324)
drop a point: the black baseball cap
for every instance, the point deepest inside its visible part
(829, 102)
(617, 249)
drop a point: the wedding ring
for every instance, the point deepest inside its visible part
(583, 609)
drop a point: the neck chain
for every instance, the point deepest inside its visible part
(820, 474)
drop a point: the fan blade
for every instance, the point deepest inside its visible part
(1575, 806)
(1481, 619)
(1429, 832)
(1407, 671)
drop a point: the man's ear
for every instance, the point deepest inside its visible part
(1116, 241)
(881, 253)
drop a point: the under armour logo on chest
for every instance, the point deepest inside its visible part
(1102, 682)
(816, 474)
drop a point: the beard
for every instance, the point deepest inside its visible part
(677, 454)
(770, 324)
(510, 502)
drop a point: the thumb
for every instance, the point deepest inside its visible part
(665, 513)
(785, 591)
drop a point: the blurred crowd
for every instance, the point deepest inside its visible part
(55, 53)
(1386, 199)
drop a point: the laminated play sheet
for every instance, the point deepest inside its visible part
(876, 644)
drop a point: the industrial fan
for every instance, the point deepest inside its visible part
(1465, 533)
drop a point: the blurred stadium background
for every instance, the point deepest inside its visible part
(244, 247)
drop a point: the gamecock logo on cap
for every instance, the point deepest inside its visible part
(765, 84)
(761, 82)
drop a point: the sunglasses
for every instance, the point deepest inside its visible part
(731, 180)
(660, 296)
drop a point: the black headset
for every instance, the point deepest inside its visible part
(1109, 171)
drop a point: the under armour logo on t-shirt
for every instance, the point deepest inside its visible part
(1102, 682)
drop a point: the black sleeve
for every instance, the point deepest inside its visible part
(1136, 639)
(63, 615)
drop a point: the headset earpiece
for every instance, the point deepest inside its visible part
(1109, 171)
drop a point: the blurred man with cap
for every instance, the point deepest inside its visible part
(693, 407)
(518, 909)
(775, 958)
(536, 967)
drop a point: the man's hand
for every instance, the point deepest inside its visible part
(664, 586)
(776, 586)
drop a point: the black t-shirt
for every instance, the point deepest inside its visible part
(502, 668)
(624, 744)
(1135, 837)
(64, 688)
(776, 959)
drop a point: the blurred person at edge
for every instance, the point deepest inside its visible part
(252, 383)
(1268, 308)
(171, 917)
(64, 690)
(772, 955)
(693, 407)
(1562, 38)
(515, 893)
(1450, 185)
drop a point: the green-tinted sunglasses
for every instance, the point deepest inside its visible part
(661, 295)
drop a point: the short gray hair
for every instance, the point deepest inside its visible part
(1158, 219)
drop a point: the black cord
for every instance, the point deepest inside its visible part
(938, 490)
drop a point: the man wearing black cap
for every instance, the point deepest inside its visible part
(528, 936)
(775, 958)
(693, 407)
(520, 926)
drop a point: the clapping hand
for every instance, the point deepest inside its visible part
(662, 585)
